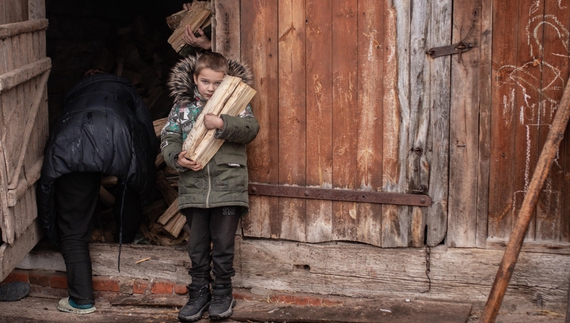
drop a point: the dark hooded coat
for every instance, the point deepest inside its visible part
(224, 180)
(105, 127)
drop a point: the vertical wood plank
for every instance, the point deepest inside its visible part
(419, 118)
(260, 52)
(529, 96)
(554, 72)
(370, 137)
(485, 106)
(392, 119)
(345, 114)
(502, 120)
(292, 115)
(464, 134)
(436, 150)
(319, 116)
(227, 34)
(396, 220)
(36, 9)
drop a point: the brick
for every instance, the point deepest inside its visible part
(58, 281)
(180, 289)
(17, 276)
(140, 286)
(126, 286)
(244, 296)
(162, 288)
(105, 284)
(39, 279)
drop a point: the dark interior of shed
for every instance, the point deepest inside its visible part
(126, 37)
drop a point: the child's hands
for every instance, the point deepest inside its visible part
(212, 121)
(187, 163)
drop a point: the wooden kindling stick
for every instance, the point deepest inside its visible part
(514, 246)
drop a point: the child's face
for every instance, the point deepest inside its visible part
(208, 81)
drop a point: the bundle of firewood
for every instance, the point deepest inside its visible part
(198, 16)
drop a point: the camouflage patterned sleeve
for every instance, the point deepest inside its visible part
(171, 139)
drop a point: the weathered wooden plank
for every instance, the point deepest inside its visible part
(548, 36)
(319, 116)
(369, 167)
(501, 189)
(227, 38)
(19, 74)
(12, 29)
(292, 120)
(418, 166)
(436, 148)
(485, 106)
(396, 220)
(36, 9)
(457, 274)
(260, 52)
(392, 118)
(12, 253)
(464, 134)
(528, 95)
(345, 112)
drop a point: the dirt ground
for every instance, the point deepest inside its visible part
(42, 309)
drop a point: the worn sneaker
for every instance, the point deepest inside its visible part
(223, 302)
(199, 301)
(69, 306)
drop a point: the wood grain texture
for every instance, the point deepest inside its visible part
(345, 114)
(319, 80)
(549, 34)
(370, 121)
(292, 115)
(464, 139)
(457, 273)
(227, 38)
(501, 187)
(260, 51)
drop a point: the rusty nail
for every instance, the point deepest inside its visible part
(306, 193)
(254, 189)
(422, 200)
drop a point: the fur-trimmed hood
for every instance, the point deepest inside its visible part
(181, 81)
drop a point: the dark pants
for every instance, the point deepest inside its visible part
(212, 240)
(76, 196)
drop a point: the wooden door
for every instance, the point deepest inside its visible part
(24, 70)
(530, 71)
(348, 101)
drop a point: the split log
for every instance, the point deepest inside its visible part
(231, 98)
(196, 17)
(175, 225)
(170, 212)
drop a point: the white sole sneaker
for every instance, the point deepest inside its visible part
(64, 306)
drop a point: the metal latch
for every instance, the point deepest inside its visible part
(449, 50)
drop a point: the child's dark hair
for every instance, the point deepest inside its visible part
(211, 60)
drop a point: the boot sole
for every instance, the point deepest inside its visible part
(224, 315)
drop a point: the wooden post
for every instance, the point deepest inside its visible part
(514, 246)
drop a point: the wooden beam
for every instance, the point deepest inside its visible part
(16, 28)
(547, 155)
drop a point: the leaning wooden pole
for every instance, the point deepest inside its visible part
(514, 246)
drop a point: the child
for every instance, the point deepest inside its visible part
(211, 196)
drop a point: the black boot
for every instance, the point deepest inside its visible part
(223, 302)
(199, 301)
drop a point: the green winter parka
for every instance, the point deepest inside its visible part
(224, 180)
